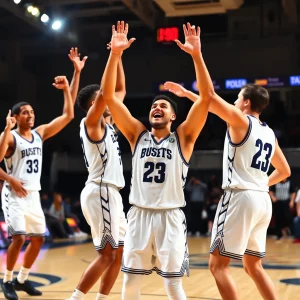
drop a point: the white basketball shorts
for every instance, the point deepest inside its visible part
(241, 223)
(156, 241)
(102, 208)
(23, 215)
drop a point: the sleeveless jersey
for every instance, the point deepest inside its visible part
(102, 158)
(25, 163)
(159, 173)
(246, 164)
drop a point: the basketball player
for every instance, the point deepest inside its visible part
(101, 201)
(156, 236)
(245, 210)
(22, 150)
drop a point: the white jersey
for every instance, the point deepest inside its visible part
(246, 164)
(102, 158)
(25, 163)
(158, 173)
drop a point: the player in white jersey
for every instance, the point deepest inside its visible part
(100, 199)
(245, 210)
(156, 236)
(22, 150)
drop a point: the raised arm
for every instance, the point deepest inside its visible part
(189, 130)
(127, 124)
(48, 130)
(282, 168)
(120, 90)
(6, 138)
(74, 57)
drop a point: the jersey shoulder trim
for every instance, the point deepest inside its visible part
(138, 140)
(244, 140)
(30, 142)
(179, 150)
(38, 134)
(92, 141)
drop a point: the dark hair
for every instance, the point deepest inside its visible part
(85, 95)
(16, 109)
(167, 98)
(258, 96)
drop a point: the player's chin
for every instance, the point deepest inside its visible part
(157, 124)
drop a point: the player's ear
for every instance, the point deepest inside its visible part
(173, 117)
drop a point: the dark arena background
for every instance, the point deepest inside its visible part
(243, 41)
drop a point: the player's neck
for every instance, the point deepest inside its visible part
(252, 113)
(160, 133)
(24, 132)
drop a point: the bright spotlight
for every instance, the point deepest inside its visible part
(56, 25)
(17, 1)
(44, 18)
(30, 8)
(35, 11)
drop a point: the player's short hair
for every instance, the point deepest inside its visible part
(85, 95)
(258, 96)
(16, 109)
(167, 98)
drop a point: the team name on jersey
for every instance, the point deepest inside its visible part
(31, 151)
(154, 152)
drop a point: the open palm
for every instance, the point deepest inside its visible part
(192, 43)
(119, 41)
(175, 88)
(75, 59)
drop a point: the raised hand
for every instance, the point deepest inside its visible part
(192, 43)
(175, 88)
(10, 121)
(61, 82)
(17, 186)
(119, 41)
(74, 57)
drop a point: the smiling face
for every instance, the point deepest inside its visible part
(25, 119)
(161, 114)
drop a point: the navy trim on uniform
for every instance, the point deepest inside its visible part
(262, 123)
(244, 140)
(179, 150)
(255, 253)
(138, 140)
(14, 150)
(24, 138)
(161, 141)
(38, 134)
(92, 141)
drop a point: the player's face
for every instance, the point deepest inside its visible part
(26, 117)
(161, 114)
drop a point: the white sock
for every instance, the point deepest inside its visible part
(8, 276)
(23, 275)
(77, 295)
(101, 297)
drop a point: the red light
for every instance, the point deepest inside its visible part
(167, 34)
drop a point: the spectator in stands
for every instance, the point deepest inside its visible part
(197, 194)
(282, 195)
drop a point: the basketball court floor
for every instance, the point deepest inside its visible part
(60, 265)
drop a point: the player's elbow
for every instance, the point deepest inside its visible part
(286, 171)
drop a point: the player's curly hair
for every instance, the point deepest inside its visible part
(86, 95)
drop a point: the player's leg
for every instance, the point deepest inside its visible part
(219, 267)
(171, 251)
(15, 220)
(109, 277)
(36, 228)
(138, 252)
(264, 284)
(228, 240)
(257, 246)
